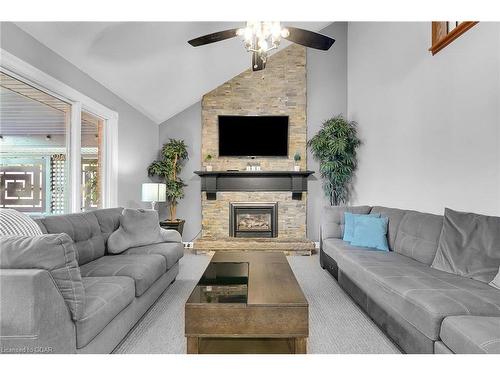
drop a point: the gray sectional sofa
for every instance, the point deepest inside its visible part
(119, 289)
(422, 309)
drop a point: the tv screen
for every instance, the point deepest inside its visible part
(253, 135)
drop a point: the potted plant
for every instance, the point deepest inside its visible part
(208, 166)
(334, 146)
(173, 155)
(297, 158)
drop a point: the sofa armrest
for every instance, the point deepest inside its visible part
(33, 315)
(170, 235)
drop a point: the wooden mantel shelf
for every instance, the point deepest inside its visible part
(221, 181)
(253, 173)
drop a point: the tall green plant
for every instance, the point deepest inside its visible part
(173, 155)
(334, 146)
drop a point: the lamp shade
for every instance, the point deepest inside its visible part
(154, 192)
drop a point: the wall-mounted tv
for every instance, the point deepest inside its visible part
(253, 136)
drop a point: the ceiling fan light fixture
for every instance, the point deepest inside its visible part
(262, 44)
(276, 30)
(260, 37)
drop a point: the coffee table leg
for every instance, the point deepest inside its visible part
(300, 345)
(192, 345)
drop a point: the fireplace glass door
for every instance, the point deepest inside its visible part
(253, 220)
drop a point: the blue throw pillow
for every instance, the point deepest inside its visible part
(371, 232)
(349, 224)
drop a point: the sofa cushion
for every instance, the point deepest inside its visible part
(336, 248)
(84, 230)
(471, 334)
(469, 245)
(418, 236)
(395, 216)
(495, 283)
(105, 298)
(109, 220)
(421, 295)
(370, 231)
(52, 252)
(138, 227)
(441, 348)
(15, 223)
(143, 269)
(171, 251)
(332, 219)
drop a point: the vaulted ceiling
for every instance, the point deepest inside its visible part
(150, 65)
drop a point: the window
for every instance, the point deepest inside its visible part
(443, 33)
(34, 154)
(58, 147)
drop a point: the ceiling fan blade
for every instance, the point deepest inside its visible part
(214, 37)
(257, 62)
(309, 38)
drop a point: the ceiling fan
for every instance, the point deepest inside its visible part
(261, 37)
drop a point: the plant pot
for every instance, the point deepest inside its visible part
(208, 168)
(296, 168)
(177, 225)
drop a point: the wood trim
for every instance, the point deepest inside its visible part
(193, 345)
(300, 345)
(441, 37)
(246, 321)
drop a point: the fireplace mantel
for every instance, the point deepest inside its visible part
(215, 181)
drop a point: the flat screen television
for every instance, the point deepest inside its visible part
(253, 136)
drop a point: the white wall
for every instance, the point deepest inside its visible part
(430, 124)
(137, 135)
(326, 97)
(187, 126)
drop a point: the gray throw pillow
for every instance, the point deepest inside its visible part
(137, 228)
(52, 252)
(469, 245)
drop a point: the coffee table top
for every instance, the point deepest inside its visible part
(254, 278)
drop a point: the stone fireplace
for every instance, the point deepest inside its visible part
(253, 219)
(277, 222)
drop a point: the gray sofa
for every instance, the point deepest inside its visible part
(119, 289)
(423, 310)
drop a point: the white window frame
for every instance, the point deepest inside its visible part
(21, 70)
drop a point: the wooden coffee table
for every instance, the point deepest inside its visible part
(247, 302)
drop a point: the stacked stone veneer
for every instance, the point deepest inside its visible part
(291, 213)
(280, 89)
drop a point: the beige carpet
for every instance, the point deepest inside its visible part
(336, 324)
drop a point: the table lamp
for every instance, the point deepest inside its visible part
(154, 192)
